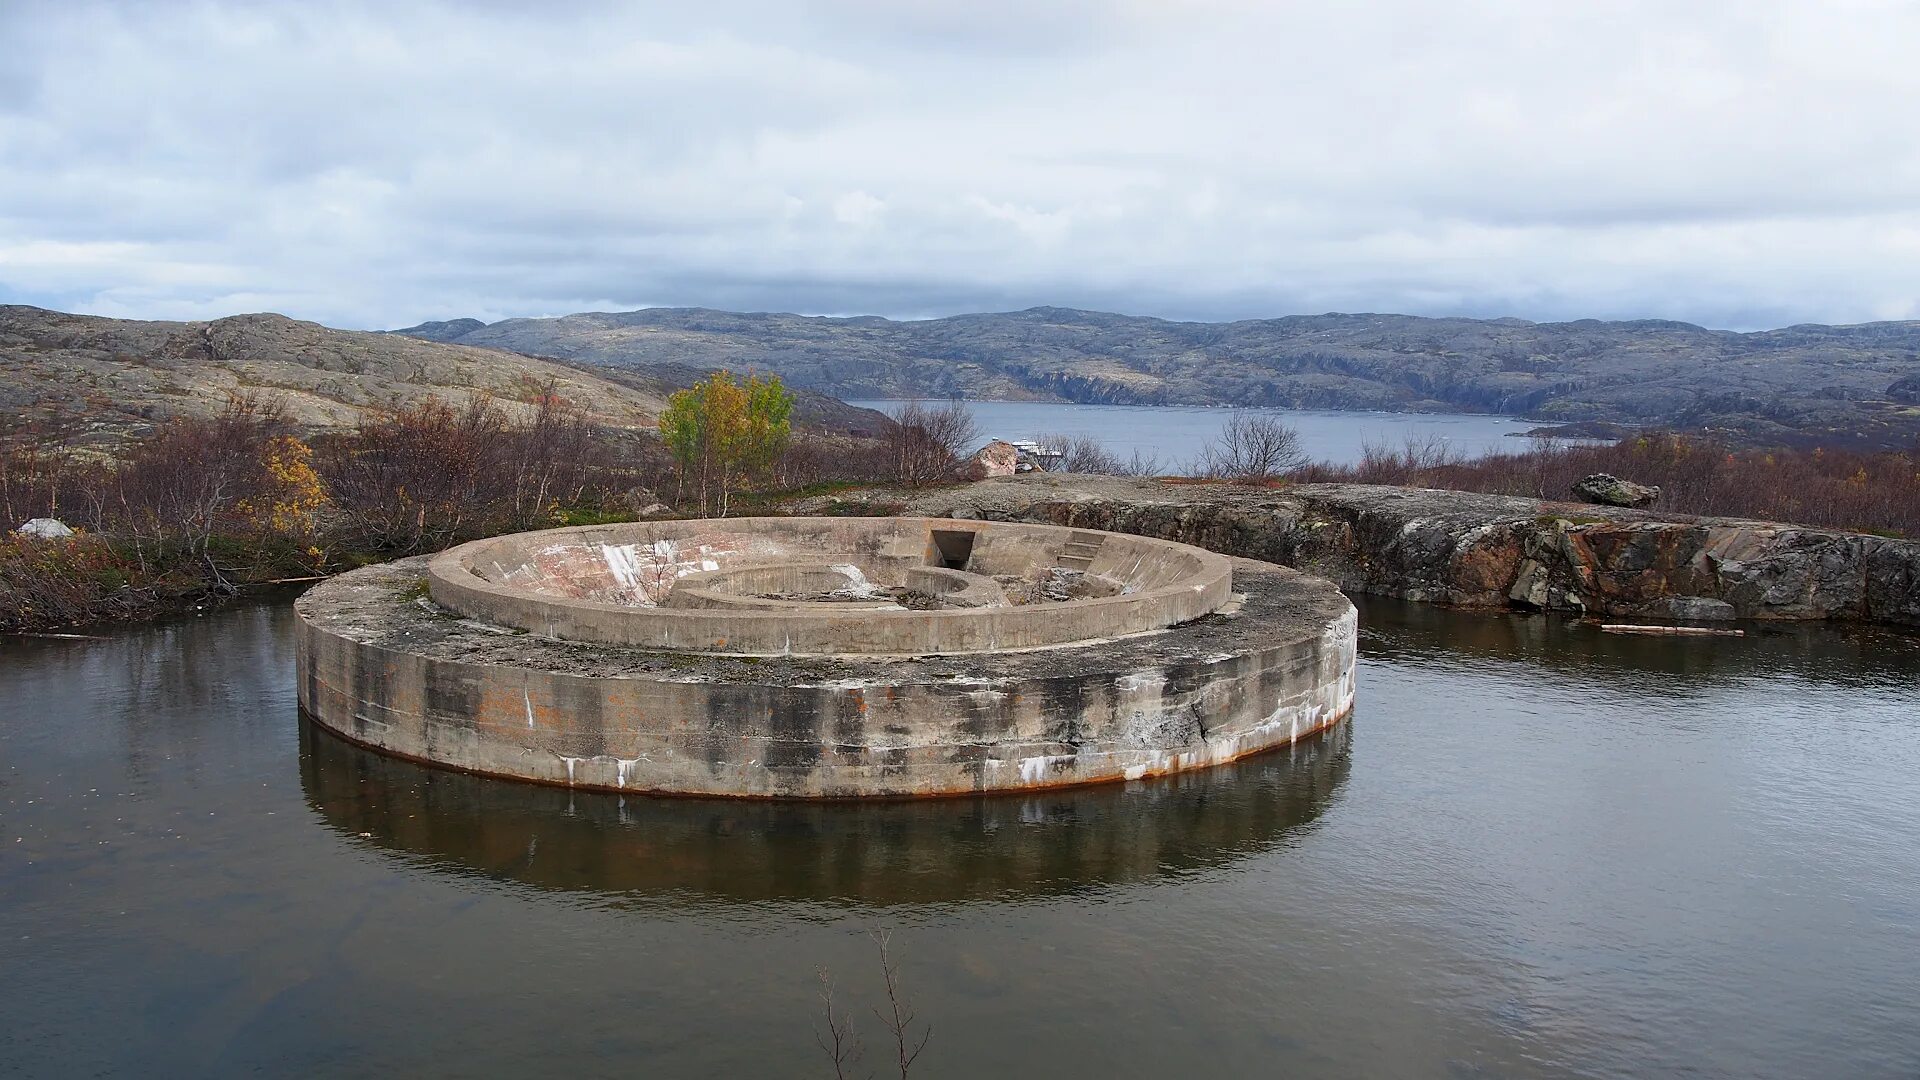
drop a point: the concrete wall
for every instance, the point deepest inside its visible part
(1192, 697)
(501, 581)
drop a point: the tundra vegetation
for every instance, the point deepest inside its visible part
(202, 505)
(1864, 491)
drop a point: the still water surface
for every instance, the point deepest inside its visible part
(1536, 851)
(1176, 434)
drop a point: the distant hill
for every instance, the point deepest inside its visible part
(81, 378)
(1850, 385)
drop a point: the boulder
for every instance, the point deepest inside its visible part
(1605, 489)
(997, 458)
(45, 529)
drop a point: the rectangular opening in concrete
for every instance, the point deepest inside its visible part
(952, 548)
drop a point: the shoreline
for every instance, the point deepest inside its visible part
(1427, 545)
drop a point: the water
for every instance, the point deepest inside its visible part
(1176, 434)
(1537, 850)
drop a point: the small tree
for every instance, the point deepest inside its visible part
(721, 431)
(1253, 447)
(925, 443)
(769, 424)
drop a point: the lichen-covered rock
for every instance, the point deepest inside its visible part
(1605, 489)
(1699, 609)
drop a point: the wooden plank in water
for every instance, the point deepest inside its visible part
(1689, 631)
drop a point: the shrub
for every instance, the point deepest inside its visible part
(926, 443)
(1873, 492)
(1252, 448)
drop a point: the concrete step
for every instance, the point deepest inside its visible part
(1079, 550)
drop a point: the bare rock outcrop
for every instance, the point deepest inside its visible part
(1491, 551)
(1606, 489)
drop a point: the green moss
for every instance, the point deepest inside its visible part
(585, 515)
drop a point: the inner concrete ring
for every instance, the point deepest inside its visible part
(829, 586)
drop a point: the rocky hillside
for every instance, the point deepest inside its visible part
(86, 379)
(1847, 385)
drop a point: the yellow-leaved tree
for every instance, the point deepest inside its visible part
(722, 432)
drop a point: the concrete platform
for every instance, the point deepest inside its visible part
(384, 665)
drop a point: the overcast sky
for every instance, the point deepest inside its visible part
(1740, 164)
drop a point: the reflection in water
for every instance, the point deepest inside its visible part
(1538, 851)
(1394, 631)
(927, 851)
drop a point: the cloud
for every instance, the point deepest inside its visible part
(373, 165)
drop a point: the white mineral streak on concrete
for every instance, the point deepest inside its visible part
(528, 695)
(620, 563)
(1142, 697)
(1035, 769)
(841, 684)
(857, 584)
(571, 762)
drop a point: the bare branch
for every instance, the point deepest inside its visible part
(899, 1018)
(840, 1042)
(927, 443)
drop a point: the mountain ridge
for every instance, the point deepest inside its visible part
(1808, 383)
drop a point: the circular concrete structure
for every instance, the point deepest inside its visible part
(825, 657)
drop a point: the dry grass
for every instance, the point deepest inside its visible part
(1867, 492)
